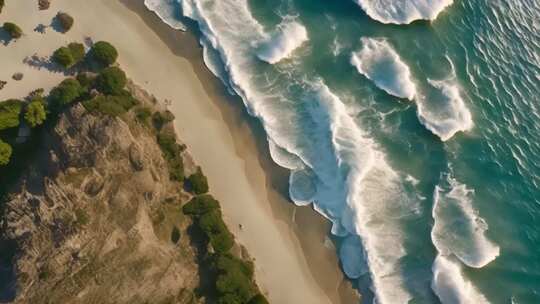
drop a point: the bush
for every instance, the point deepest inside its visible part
(104, 53)
(65, 93)
(109, 105)
(234, 280)
(77, 51)
(217, 232)
(10, 111)
(175, 235)
(35, 113)
(63, 57)
(5, 153)
(143, 114)
(65, 20)
(197, 182)
(171, 152)
(111, 81)
(258, 299)
(200, 205)
(86, 80)
(162, 118)
(13, 30)
(1, 5)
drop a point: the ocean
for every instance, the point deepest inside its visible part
(413, 126)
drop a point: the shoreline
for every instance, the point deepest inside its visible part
(179, 74)
(248, 131)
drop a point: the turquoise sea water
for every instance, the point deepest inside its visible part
(420, 141)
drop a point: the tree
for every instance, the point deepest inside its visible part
(64, 57)
(65, 93)
(197, 182)
(200, 205)
(111, 81)
(234, 281)
(77, 51)
(9, 113)
(35, 113)
(104, 53)
(65, 20)
(13, 30)
(5, 153)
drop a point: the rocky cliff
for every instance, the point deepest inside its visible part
(96, 218)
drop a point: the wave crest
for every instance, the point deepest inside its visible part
(380, 63)
(288, 37)
(403, 11)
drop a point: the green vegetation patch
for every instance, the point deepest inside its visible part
(65, 20)
(104, 53)
(172, 153)
(109, 105)
(13, 30)
(10, 111)
(111, 81)
(197, 182)
(65, 93)
(1, 5)
(70, 55)
(35, 114)
(5, 153)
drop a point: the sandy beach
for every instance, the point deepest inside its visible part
(295, 262)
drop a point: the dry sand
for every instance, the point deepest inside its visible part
(295, 263)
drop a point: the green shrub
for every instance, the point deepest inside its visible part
(162, 118)
(171, 152)
(5, 153)
(65, 20)
(111, 81)
(86, 80)
(109, 105)
(35, 113)
(143, 114)
(10, 111)
(65, 93)
(200, 205)
(217, 232)
(1, 5)
(258, 299)
(234, 280)
(77, 51)
(197, 182)
(63, 57)
(104, 53)
(13, 30)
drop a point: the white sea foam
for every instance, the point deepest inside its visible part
(451, 286)
(458, 229)
(168, 11)
(403, 11)
(458, 234)
(288, 37)
(380, 63)
(442, 109)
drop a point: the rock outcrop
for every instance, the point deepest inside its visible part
(96, 218)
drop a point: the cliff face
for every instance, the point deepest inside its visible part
(97, 220)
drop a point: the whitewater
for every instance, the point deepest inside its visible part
(389, 132)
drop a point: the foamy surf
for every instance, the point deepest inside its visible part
(451, 286)
(168, 11)
(288, 37)
(403, 11)
(458, 234)
(442, 109)
(380, 63)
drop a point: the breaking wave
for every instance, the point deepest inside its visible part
(168, 11)
(442, 110)
(403, 11)
(287, 38)
(459, 236)
(380, 63)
